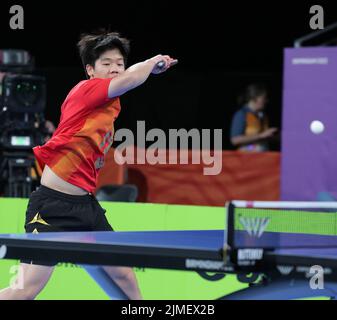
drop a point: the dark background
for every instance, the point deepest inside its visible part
(222, 46)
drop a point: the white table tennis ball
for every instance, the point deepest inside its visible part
(317, 127)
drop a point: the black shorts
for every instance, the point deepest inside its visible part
(53, 211)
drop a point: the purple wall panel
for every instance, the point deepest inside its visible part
(309, 161)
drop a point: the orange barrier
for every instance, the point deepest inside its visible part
(246, 176)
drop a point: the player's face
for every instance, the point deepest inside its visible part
(260, 102)
(109, 65)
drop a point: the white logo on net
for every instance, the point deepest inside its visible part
(254, 226)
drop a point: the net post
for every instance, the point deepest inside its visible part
(230, 224)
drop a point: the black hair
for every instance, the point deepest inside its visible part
(92, 46)
(252, 92)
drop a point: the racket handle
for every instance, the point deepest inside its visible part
(161, 64)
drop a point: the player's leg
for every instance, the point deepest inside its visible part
(126, 279)
(32, 278)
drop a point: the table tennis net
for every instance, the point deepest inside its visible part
(281, 224)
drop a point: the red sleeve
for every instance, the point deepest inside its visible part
(95, 92)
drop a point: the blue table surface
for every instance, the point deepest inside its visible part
(209, 240)
(212, 240)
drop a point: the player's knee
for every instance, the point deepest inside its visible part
(125, 275)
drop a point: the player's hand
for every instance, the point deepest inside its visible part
(268, 133)
(167, 60)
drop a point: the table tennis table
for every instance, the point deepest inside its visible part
(282, 259)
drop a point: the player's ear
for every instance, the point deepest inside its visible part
(90, 70)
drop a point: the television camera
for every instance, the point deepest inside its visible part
(22, 104)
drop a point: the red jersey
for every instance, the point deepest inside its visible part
(84, 135)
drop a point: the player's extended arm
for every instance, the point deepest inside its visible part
(137, 74)
(255, 138)
(243, 140)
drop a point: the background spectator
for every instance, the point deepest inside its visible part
(250, 129)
